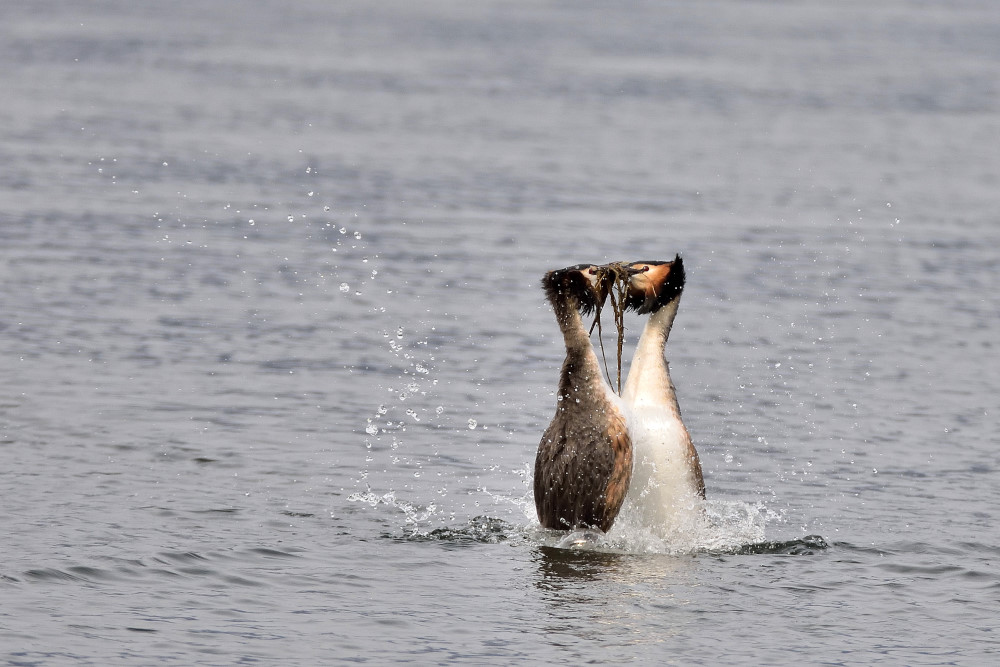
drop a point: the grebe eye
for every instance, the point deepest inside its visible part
(593, 270)
(644, 269)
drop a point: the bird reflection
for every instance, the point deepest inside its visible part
(604, 596)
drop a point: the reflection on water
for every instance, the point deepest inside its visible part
(563, 570)
(607, 597)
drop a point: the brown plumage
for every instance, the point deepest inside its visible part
(584, 461)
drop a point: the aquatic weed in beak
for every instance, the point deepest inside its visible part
(612, 282)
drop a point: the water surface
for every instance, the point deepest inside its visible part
(276, 360)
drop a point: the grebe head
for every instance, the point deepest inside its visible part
(652, 285)
(587, 284)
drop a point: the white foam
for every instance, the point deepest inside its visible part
(721, 525)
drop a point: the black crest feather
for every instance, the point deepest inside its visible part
(665, 292)
(571, 283)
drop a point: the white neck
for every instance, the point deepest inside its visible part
(666, 483)
(649, 376)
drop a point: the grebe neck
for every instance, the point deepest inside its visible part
(649, 366)
(580, 379)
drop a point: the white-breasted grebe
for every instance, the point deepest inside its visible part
(667, 484)
(584, 461)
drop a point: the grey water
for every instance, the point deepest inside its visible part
(275, 359)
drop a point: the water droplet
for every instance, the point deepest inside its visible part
(345, 288)
(371, 429)
(439, 409)
(473, 423)
(343, 230)
(382, 409)
(729, 458)
(413, 414)
(357, 235)
(291, 218)
(399, 332)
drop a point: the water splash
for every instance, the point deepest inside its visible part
(731, 528)
(721, 525)
(414, 515)
(724, 527)
(480, 529)
(806, 546)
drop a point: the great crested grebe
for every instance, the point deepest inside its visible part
(667, 484)
(584, 461)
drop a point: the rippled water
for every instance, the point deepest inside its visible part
(276, 360)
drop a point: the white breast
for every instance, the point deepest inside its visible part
(664, 488)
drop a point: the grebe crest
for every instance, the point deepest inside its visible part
(587, 285)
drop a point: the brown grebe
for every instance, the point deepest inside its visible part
(667, 483)
(584, 461)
